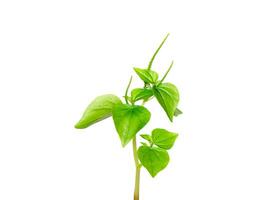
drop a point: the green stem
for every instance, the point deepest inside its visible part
(154, 55)
(166, 73)
(126, 92)
(137, 183)
(136, 160)
(137, 172)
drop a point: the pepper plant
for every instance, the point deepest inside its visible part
(130, 117)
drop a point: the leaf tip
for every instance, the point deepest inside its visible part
(135, 68)
(79, 126)
(123, 144)
(170, 118)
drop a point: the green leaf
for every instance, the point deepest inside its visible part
(128, 120)
(146, 137)
(141, 93)
(163, 138)
(153, 159)
(148, 76)
(100, 108)
(177, 112)
(168, 97)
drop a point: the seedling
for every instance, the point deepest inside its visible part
(130, 117)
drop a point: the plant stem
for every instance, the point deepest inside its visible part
(154, 55)
(137, 183)
(166, 73)
(137, 172)
(127, 89)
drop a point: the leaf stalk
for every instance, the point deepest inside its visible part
(167, 72)
(156, 52)
(127, 89)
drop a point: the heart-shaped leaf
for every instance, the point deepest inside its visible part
(128, 120)
(100, 108)
(148, 76)
(141, 94)
(168, 97)
(153, 159)
(163, 138)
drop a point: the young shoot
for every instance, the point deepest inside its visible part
(129, 119)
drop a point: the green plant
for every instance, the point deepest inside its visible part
(129, 118)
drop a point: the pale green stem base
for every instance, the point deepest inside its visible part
(137, 172)
(137, 183)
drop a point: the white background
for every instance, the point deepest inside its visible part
(56, 56)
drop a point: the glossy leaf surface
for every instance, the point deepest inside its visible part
(100, 108)
(153, 159)
(148, 76)
(168, 97)
(141, 94)
(163, 138)
(128, 120)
